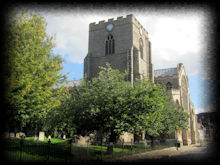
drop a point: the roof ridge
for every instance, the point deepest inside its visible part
(165, 72)
(165, 68)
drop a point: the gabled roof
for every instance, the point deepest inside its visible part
(165, 72)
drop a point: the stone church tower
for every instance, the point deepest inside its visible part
(123, 43)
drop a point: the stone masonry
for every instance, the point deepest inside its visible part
(124, 43)
(176, 81)
(130, 45)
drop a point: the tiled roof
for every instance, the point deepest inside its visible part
(165, 72)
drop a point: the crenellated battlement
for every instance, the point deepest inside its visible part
(120, 17)
(111, 19)
(120, 45)
(117, 21)
(128, 17)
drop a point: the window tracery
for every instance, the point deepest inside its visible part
(110, 45)
(169, 86)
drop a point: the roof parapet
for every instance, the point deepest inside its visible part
(129, 15)
(120, 17)
(100, 22)
(112, 19)
(93, 23)
(127, 18)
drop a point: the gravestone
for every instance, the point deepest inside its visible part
(35, 137)
(49, 137)
(12, 135)
(17, 135)
(64, 136)
(22, 134)
(145, 142)
(81, 140)
(41, 136)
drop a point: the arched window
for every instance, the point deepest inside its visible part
(169, 86)
(110, 45)
(141, 48)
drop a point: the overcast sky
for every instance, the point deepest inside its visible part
(177, 36)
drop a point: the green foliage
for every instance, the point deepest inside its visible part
(174, 117)
(111, 105)
(161, 115)
(151, 100)
(96, 104)
(58, 120)
(32, 70)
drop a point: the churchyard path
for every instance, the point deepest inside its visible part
(184, 154)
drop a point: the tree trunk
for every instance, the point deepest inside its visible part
(113, 136)
(152, 142)
(112, 140)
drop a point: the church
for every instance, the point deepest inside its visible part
(124, 43)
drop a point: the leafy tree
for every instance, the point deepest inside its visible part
(167, 117)
(111, 105)
(32, 71)
(174, 117)
(57, 121)
(97, 104)
(164, 116)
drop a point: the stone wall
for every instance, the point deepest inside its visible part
(180, 93)
(133, 53)
(165, 79)
(127, 37)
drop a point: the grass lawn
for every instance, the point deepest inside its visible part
(35, 150)
(59, 151)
